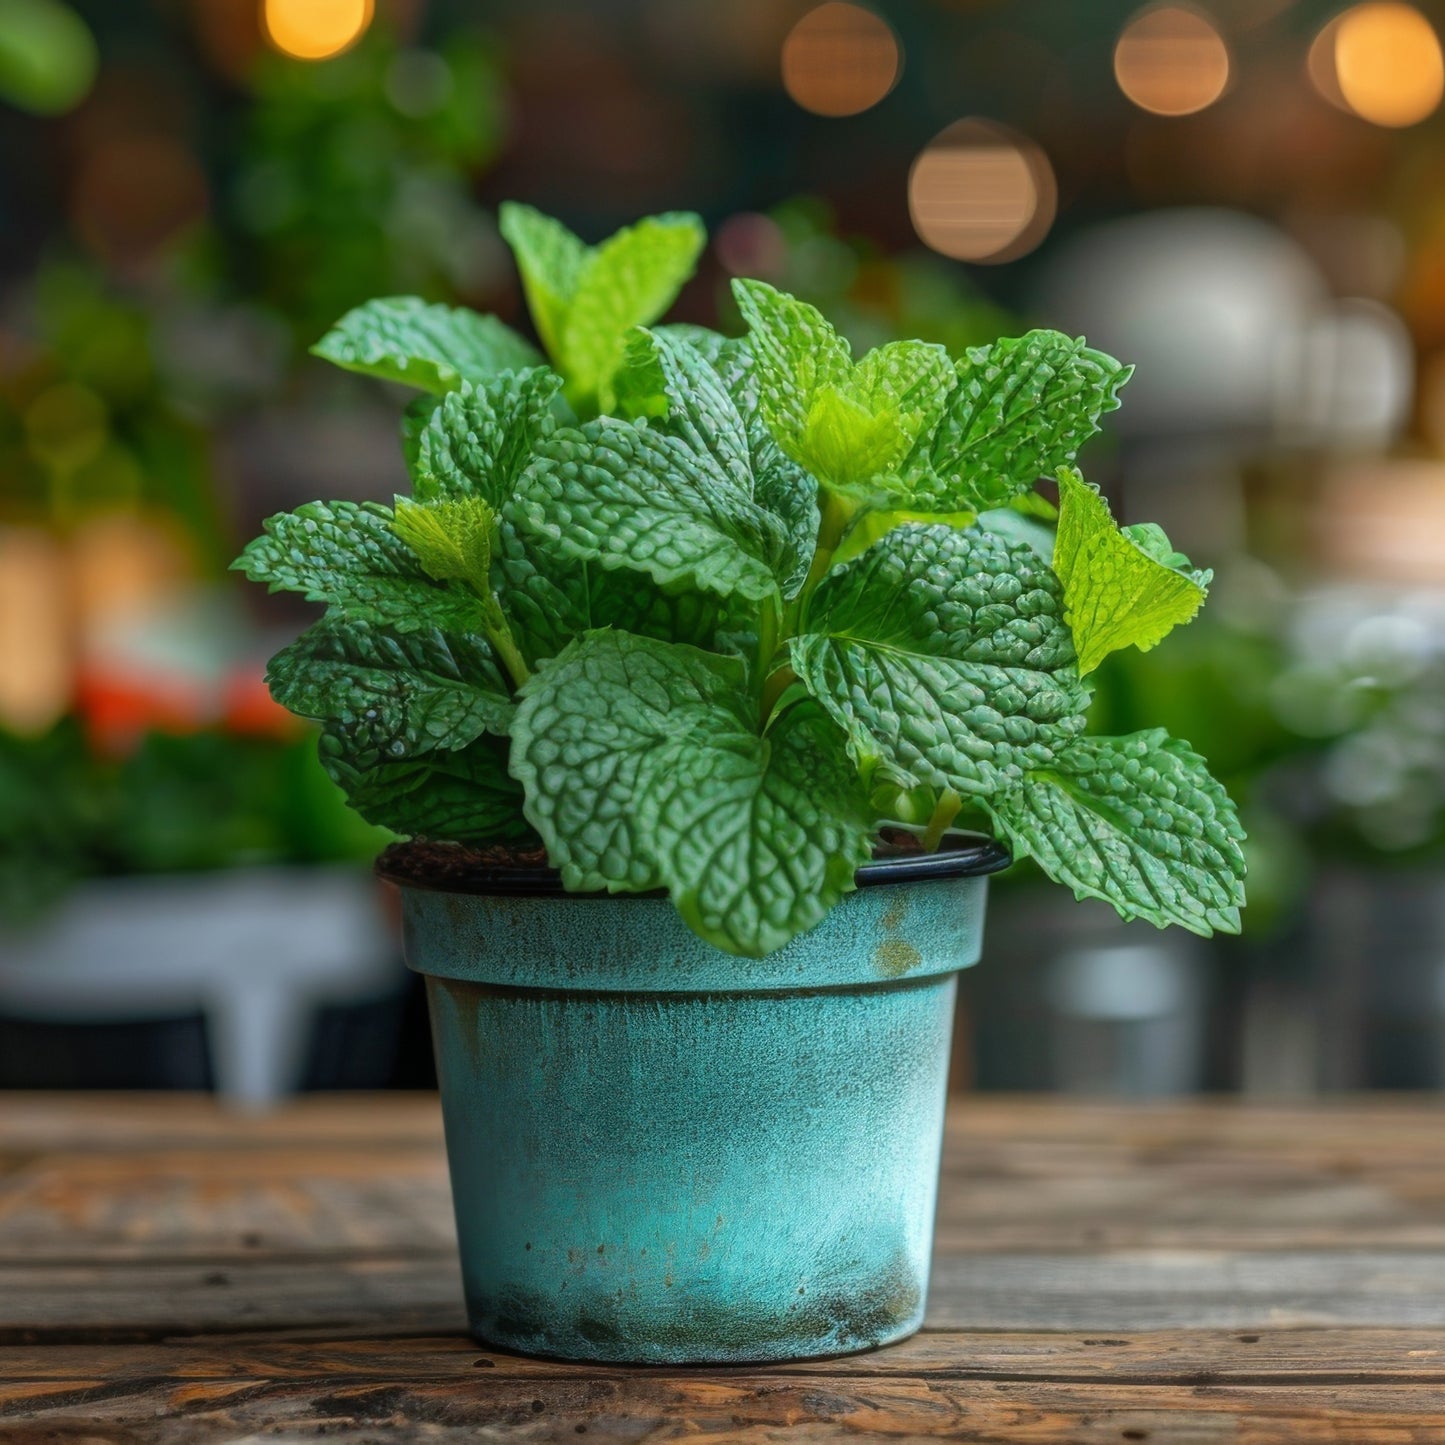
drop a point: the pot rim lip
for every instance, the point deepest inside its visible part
(961, 855)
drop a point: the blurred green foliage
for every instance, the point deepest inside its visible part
(175, 804)
(48, 56)
(354, 178)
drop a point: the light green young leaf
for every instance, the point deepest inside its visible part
(1138, 822)
(401, 338)
(851, 425)
(585, 299)
(756, 837)
(550, 259)
(465, 796)
(1117, 593)
(944, 656)
(478, 438)
(452, 538)
(348, 554)
(392, 695)
(587, 720)
(1021, 409)
(634, 498)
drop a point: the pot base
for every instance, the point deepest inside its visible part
(657, 1179)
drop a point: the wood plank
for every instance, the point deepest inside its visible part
(743, 1407)
(1116, 1291)
(1191, 1357)
(169, 1272)
(207, 1184)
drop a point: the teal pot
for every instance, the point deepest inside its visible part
(661, 1153)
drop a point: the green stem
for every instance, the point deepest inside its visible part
(838, 515)
(944, 812)
(773, 689)
(494, 623)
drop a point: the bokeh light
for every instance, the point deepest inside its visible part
(315, 29)
(1171, 61)
(980, 191)
(1320, 64)
(840, 59)
(1388, 64)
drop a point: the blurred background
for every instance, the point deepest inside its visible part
(1245, 198)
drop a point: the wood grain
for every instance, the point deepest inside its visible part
(1183, 1273)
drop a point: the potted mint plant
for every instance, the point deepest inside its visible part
(709, 677)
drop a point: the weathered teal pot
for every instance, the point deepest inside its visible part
(661, 1153)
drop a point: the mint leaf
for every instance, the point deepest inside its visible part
(465, 796)
(348, 554)
(550, 259)
(587, 720)
(585, 299)
(779, 484)
(1138, 822)
(1117, 593)
(633, 497)
(944, 656)
(451, 538)
(850, 425)
(401, 338)
(668, 380)
(757, 838)
(392, 695)
(478, 438)
(1021, 409)
(552, 599)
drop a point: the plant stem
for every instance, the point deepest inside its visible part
(944, 812)
(773, 689)
(838, 515)
(494, 623)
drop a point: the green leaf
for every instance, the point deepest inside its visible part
(465, 796)
(851, 425)
(347, 554)
(391, 695)
(945, 657)
(1022, 408)
(670, 382)
(552, 599)
(629, 280)
(585, 299)
(401, 338)
(550, 259)
(779, 484)
(451, 538)
(1138, 822)
(478, 438)
(757, 838)
(1117, 593)
(632, 497)
(588, 719)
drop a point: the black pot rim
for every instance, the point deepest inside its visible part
(958, 856)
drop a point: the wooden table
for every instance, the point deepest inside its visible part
(1193, 1273)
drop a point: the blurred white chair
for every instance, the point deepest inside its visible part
(254, 950)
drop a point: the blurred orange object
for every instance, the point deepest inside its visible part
(248, 708)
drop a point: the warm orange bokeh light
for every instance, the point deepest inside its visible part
(839, 59)
(981, 192)
(315, 29)
(1320, 64)
(1171, 61)
(1387, 63)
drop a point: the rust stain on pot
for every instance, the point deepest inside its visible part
(895, 956)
